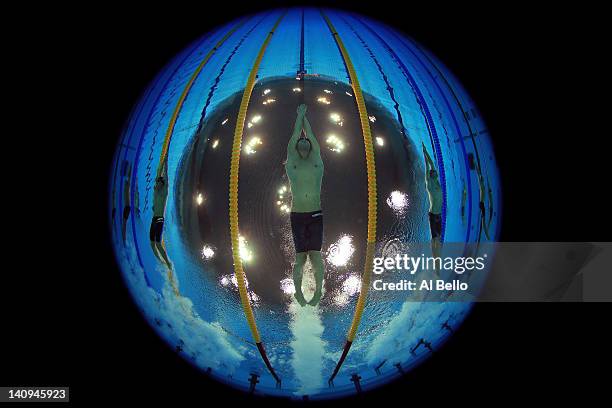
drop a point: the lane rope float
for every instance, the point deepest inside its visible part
(233, 201)
(372, 200)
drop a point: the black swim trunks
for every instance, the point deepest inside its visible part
(435, 223)
(307, 231)
(126, 212)
(157, 227)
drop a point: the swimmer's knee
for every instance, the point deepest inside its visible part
(300, 257)
(314, 254)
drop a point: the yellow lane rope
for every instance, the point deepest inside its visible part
(233, 196)
(175, 114)
(179, 104)
(372, 202)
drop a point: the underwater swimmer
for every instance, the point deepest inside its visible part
(160, 195)
(304, 168)
(434, 191)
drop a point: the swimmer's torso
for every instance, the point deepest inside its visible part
(434, 190)
(160, 196)
(305, 177)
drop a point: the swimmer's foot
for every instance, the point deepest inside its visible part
(299, 296)
(172, 282)
(315, 299)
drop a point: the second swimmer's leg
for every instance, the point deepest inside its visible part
(317, 266)
(436, 249)
(298, 272)
(435, 224)
(161, 249)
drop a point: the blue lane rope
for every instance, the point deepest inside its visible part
(213, 88)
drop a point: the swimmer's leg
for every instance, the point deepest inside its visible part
(317, 266)
(126, 215)
(157, 252)
(298, 272)
(436, 250)
(435, 224)
(161, 249)
(157, 243)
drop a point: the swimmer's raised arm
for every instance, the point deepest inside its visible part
(162, 170)
(316, 149)
(297, 130)
(428, 162)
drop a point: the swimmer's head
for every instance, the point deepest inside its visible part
(303, 147)
(160, 181)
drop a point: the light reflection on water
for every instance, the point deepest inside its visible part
(341, 251)
(398, 202)
(208, 252)
(230, 281)
(287, 286)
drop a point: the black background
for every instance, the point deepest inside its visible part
(534, 72)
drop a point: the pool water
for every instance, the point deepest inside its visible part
(412, 100)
